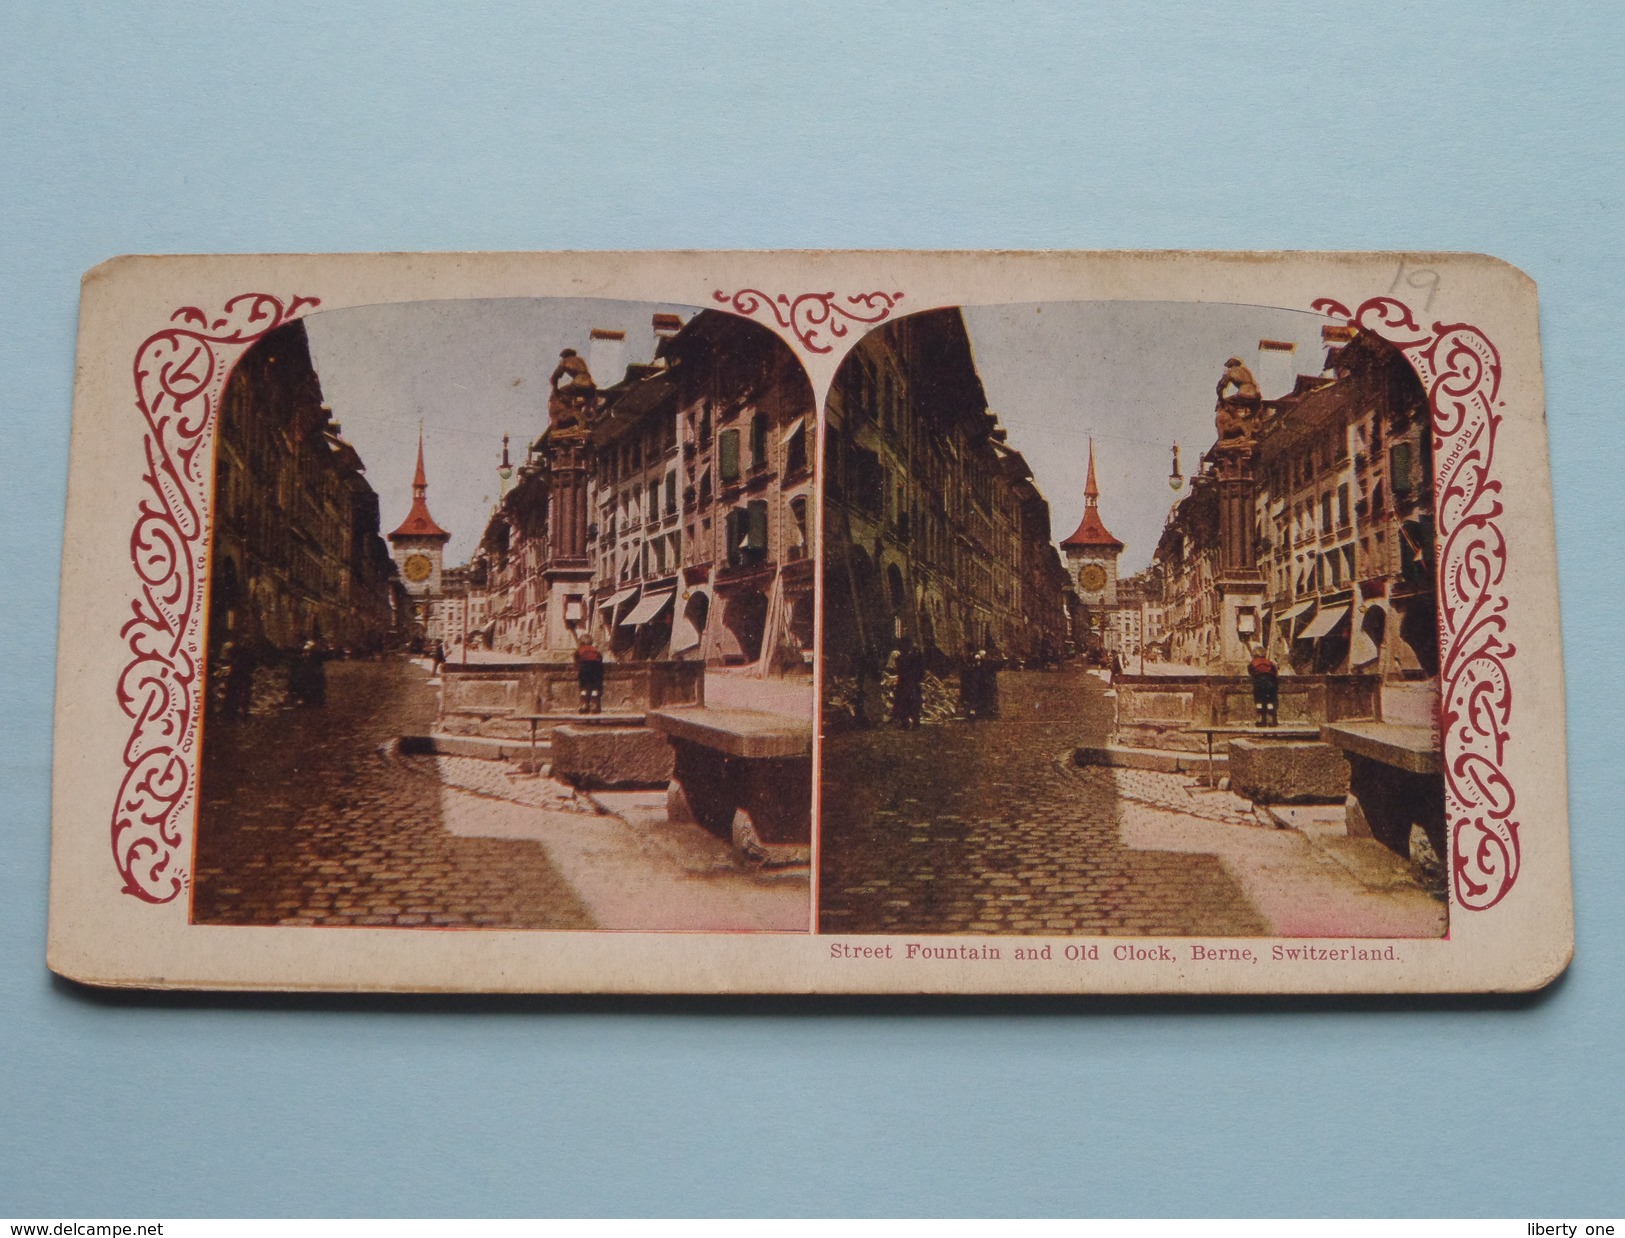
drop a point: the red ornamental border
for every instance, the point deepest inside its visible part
(1461, 370)
(179, 373)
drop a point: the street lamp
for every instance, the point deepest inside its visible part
(1143, 632)
(1176, 479)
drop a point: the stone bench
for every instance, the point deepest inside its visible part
(1278, 733)
(590, 752)
(1290, 771)
(1396, 782)
(599, 757)
(743, 774)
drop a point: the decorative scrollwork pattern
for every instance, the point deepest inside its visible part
(1461, 371)
(812, 315)
(179, 373)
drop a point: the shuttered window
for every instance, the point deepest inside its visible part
(728, 455)
(758, 441)
(1399, 468)
(756, 526)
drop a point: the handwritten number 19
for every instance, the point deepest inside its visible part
(1416, 277)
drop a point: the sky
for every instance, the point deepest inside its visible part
(1137, 376)
(472, 370)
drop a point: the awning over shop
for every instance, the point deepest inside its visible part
(651, 605)
(1324, 623)
(1295, 611)
(684, 634)
(1364, 649)
(620, 597)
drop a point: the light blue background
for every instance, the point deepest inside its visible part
(315, 126)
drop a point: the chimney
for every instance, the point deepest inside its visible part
(1334, 338)
(1277, 372)
(606, 356)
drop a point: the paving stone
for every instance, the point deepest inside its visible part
(1022, 840)
(338, 813)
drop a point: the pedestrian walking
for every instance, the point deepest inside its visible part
(307, 677)
(1266, 679)
(438, 654)
(969, 685)
(238, 664)
(590, 676)
(989, 662)
(908, 697)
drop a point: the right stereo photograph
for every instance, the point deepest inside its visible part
(1129, 628)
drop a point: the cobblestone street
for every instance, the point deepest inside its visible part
(989, 827)
(314, 816)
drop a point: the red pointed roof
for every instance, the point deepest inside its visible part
(1090, 530)
(418, 522)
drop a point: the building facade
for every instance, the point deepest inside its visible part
(1134, 624)
(459, 616)
(1186, 560)
(1310, 531)
(296, 553)
(746, 422)
(933, 529)
(1345, 517)
(636, 532)
(666, 515)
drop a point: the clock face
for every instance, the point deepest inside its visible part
(1091, 578)
(417, 568)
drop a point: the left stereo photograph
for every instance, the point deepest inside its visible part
(480, 573)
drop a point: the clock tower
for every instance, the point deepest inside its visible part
(419, 544)
(1091, 557)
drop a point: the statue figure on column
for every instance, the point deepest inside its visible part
(1236, 414)
(572, 392)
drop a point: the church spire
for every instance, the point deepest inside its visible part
(418, 522)
(1090, 531)
(420, 480)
